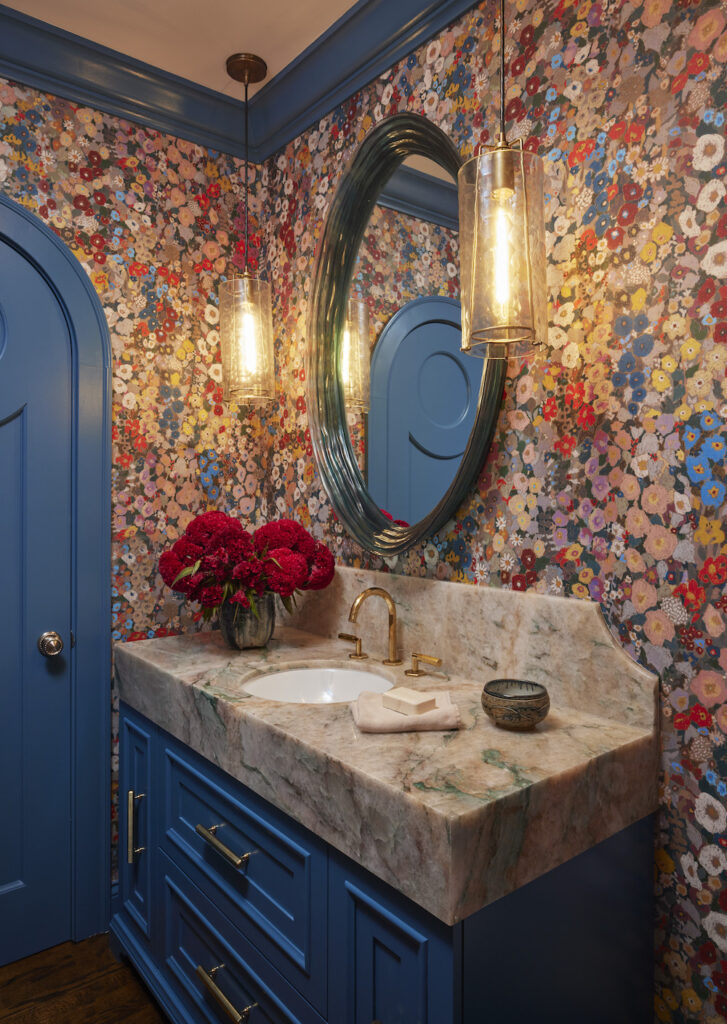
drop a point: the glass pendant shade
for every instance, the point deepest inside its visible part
(356, 356)
(502, 253)
(246, 340)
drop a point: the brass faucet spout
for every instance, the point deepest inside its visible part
(391, 608)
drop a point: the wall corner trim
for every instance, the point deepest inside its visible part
(366, 41)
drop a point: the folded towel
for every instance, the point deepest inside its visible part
(370, 715)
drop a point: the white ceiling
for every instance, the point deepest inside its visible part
(193, 39)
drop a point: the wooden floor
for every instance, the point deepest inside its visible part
(75, 983)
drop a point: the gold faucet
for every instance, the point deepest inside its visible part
(379, 592)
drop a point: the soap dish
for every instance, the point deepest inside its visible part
(515, 703)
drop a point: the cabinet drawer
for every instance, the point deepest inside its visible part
(277, 896)
(196, 936)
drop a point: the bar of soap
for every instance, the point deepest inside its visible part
(408, 702)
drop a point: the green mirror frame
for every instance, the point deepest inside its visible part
(386, 146)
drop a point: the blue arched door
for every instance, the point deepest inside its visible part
(35, 535)
(54, 720)
(424, 395)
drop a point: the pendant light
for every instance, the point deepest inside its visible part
(502, 244)
(246, 324)
(356, 356)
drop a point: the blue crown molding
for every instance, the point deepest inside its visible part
(366, 41)
(423, 196)
(58, 62)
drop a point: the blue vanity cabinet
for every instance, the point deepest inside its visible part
(304, 935)
(136, 815)
(389, 960)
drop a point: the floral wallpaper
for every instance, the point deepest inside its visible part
(606, 479)
(402, 257)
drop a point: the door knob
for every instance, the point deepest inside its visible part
(50, 644)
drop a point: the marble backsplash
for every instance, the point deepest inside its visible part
(484, 633)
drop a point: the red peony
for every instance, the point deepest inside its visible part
(182, 556)
(186, 551)
(206, 526)
(216, 564)
(321, 570)
(196, 584)
(250, 573)
(239, 547)
(210, 596)
(170, 567)
(286, 533)
(286, 571)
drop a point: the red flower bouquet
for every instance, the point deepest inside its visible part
(218, 563)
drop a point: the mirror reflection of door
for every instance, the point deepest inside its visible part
(423, 403)
(409, 255)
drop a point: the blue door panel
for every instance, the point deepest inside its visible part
(12, 458)
(35, 552)
(424, 395)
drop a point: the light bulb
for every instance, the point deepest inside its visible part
(502, 255)
(249, 336)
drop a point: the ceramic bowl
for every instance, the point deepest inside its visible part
(515, 703)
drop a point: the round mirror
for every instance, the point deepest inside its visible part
(401, 420)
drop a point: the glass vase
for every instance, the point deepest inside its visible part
(242, 629)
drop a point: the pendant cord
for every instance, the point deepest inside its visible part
(502, 70)
(247, 187)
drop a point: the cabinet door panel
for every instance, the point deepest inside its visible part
(277, 897)
(581, 935)
(389, 962)
(135, 810)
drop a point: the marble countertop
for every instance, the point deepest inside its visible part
(454, 820)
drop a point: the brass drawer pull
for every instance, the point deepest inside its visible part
(238, 1016)
(132, 850)
(208, 834)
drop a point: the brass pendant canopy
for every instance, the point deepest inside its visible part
(246, 67)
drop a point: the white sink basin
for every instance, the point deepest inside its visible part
(316, 685)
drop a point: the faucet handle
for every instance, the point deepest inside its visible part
(416, 658)
(358, 654)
